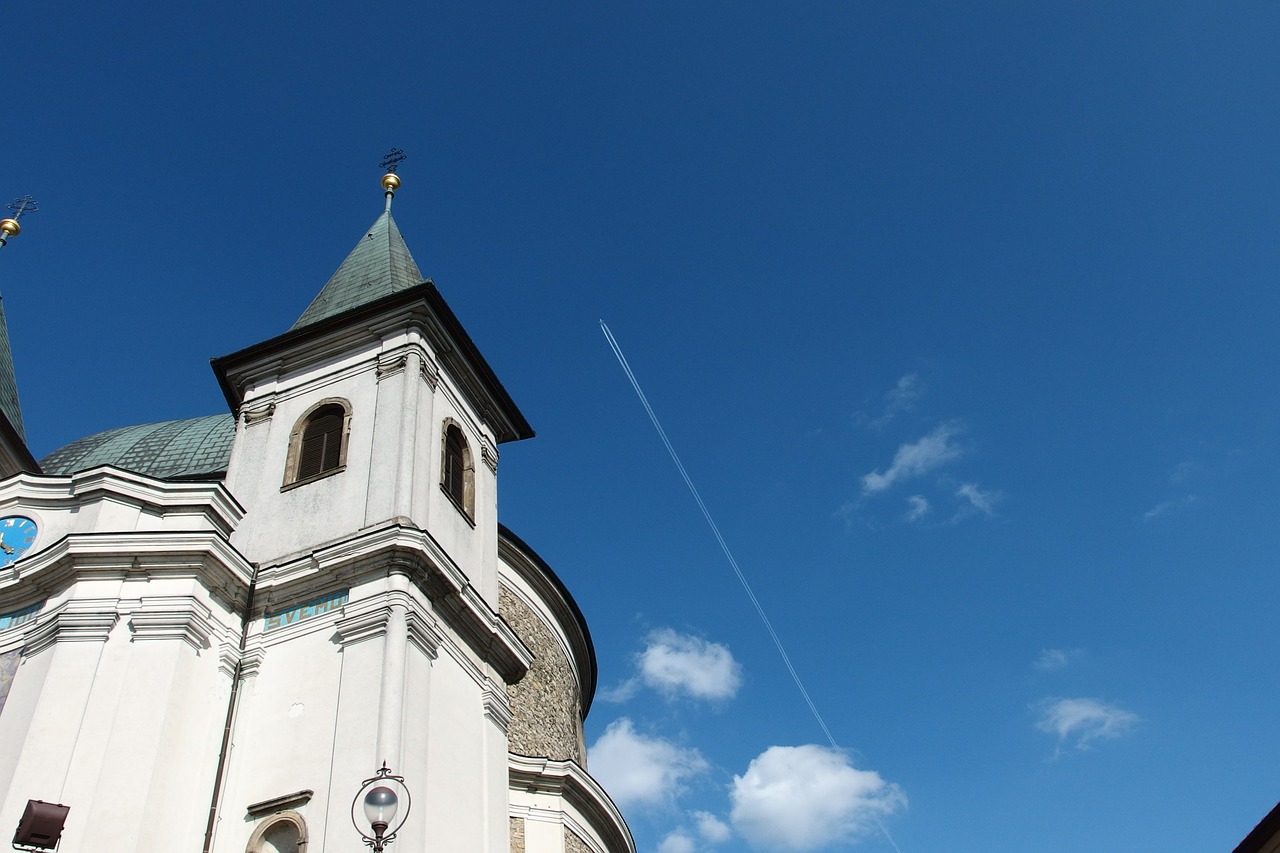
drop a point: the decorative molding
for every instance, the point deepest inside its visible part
(257, 414)
(228, 657)
(424, 633)
(588, 809)
(277, 804)
(258, 841)
(396, 363)
(489, 455)
(66, 625)
(251, 662)
(362, 626)
(189, 621)
(429, 371)
(393, 548)
(497, 705)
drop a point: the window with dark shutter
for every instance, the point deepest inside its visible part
(455, 465)
(318, 446)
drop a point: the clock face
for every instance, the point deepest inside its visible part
(17, 535)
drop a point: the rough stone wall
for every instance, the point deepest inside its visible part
(517, 835)
(574, 844)
(547, 722)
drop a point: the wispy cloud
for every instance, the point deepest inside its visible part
(1055, 659)
(916, 458)
(900, 398)
(1168, 506)
(983, 500)
(707, 831)
(805, 797)
(1079, 722)
(711, 828)
(676, 664)
(917, 508)
(677, 841)
(641, 770)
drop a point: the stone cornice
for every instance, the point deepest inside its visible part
(568, 781)
(180, 617)
(82, 621)
(417, 311)
(397, 548)
(204, 555)
(497, 705)
(211, 502)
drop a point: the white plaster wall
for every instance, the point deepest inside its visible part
(309, 719)
(124, 730)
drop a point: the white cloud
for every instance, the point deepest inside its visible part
(1079, 722)
(984, 501)
(638, 770)
(919, 507)
(1168, 506)
(1052, 659)
(622, 692)
(912, 460)
(677, 842)
(712, 829)
(900, 398)
(674, 663)
(804, 797)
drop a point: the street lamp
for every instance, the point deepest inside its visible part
(380, 797)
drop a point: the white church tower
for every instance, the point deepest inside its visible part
(213, 630)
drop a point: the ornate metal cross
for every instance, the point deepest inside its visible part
(26, 204)
(391, 160)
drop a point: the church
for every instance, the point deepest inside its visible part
(251, 631)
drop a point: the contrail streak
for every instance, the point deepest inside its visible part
(724, 546)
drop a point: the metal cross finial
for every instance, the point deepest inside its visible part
(26, 204)
(391, 160)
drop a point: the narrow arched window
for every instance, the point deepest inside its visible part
(319, 443)
(321, 448)
(458, 474)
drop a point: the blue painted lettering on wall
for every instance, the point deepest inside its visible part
(310, 610)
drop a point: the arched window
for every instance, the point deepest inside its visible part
(285, 832)
(458, 473)
(318, 446)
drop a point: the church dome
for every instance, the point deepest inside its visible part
(192, 447)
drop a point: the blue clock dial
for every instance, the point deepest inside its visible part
(17, 535)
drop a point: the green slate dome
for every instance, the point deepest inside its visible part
(189, 448)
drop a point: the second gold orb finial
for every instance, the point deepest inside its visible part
(11, 227)
(391, 181)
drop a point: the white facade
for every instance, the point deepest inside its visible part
(216, 663)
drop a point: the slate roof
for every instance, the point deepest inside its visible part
(379, 265)
(191, 447)
(8, 381)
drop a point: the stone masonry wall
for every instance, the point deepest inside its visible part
(547, 721)
(574, 844)
(517, 835)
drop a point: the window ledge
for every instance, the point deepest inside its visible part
(461, 510)
(323, 474)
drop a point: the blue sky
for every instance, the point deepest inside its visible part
(960, 315)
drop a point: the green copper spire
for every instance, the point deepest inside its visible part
(379, 265)
(8, 379)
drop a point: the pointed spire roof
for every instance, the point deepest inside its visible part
(9, 380)
(378, 266)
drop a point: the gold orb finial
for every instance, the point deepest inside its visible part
(10, 227)
(391, 181)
